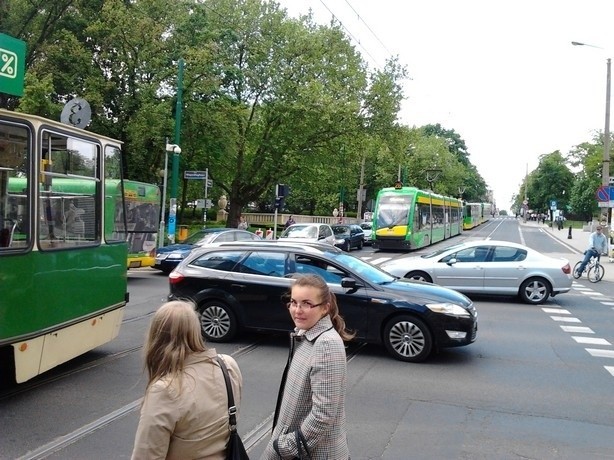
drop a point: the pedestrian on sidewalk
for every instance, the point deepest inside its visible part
(597, 245)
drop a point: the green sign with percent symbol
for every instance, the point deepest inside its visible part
(12, 65)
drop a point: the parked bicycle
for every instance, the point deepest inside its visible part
(594, 270)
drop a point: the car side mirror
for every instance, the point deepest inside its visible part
(452, 261)
(349, 283)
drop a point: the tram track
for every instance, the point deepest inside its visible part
(250, 439)
(53, 376)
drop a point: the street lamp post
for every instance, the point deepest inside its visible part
(605, 171)
(163, 214)
(172, 204)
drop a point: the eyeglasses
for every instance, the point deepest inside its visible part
(303, 305)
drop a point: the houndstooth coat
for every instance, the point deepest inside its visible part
(313, 397)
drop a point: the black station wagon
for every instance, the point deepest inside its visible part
(240, 286)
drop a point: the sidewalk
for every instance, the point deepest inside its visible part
(578, 242)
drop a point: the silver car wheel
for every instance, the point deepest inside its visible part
(217, 322)
(420, 276)
(408, 339)
(535, 291)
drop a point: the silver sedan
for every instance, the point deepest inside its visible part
(489, 267)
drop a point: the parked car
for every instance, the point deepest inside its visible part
(168, 257)
(309, 233)
(367, 229)
(348, 236)
(489, 267)
(240, 286)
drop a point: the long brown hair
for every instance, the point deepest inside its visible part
(174, 333)
(329, 297)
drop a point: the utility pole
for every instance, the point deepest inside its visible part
(172, 215)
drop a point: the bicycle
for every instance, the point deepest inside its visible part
(594, 270)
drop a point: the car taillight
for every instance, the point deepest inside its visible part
(566, 269)
(175, 278)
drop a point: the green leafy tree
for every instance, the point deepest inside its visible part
(552, 180)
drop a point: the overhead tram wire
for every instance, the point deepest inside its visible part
(367, 26)
(348, 32)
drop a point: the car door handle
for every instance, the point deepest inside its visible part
(238, 286)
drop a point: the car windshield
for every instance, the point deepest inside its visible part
(300, 231)
(366, 226)
(367, 271)
(340, 230)
(441, 251)
(195, 237)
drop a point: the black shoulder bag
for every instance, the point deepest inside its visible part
(234, 449)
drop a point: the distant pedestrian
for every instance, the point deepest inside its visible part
(290, 221)
(243, 225)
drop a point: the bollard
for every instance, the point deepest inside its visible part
(569, 235)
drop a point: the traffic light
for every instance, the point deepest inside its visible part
(283, 190)
(279, 203)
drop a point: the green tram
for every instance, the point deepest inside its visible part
(408, 218)
(141, 201)
(476, 214)
(63, 285)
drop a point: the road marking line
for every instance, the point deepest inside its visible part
(578, 329)
(566, 319)
(562, 311)
(599, 353)
(591, 340)
(379, 260)
(610, 369)
(607, 303)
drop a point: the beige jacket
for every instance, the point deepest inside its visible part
(190, 423)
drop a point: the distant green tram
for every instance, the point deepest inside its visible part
(70, 203)
(409, 218)
(476, 214)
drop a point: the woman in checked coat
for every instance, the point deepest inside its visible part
(310, 412)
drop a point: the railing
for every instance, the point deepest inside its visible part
(268, 219)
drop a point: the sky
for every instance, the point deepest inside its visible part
(502, 74)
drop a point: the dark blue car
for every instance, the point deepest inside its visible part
(168, 257)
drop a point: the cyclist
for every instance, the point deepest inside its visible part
(597, 245)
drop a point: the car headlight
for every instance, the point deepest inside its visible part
(176, 255)
(447, 308)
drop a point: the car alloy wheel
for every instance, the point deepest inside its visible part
(535, 291)
(420, 276)
(217, 322)
(408, 339)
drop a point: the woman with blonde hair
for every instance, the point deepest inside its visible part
(185, 411)
(309, 419)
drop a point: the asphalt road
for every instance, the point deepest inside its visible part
(536, 384)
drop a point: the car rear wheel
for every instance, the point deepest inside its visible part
(217, 322)
(347, 247)
(408, 339)
(420, 276)
(535, 291)
(361, 243)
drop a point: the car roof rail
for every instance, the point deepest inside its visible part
(277, 244)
